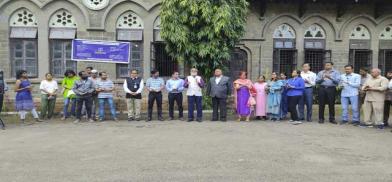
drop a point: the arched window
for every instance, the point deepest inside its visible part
(285, 54)
(23, 42)
(360, 32)
(360, 54)
(157, 29)
(314, 32)
(96, 4)
(314, 48)
(130, 28)
(284, 31)
(385, 52)
(62, 30)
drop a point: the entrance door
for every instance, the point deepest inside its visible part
(285, 60)
(385, 60)
(161, 60)
(360, 58)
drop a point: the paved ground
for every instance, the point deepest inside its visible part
(181, 151)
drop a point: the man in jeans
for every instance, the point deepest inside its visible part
(307, 97)
(351, 83)
(175, 86)
(133, 87)
(83, 90)
(104, 88)
(155, 85)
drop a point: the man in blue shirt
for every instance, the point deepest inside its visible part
(155, 85)
(328, 79)
(350, 82)
(175, 86)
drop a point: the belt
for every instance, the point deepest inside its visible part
(324, 86)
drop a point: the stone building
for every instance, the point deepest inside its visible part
(36, 35)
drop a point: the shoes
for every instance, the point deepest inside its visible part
(258, 118)
(76, 121)
(171, 118)
(38, 120)
(161, 119)
(223, 120)
(63, 118)
(381, 126)
(181, 119)
(214, 119)
(321, 121)
(130, 119)
(297, 122)
(115, 119)
(366, 125)
(137, 119)
(343, 122)
(91, 120)
(199, 120)
(333, 121)
(355, 123)
(190, 120)
(100, 120)
(148, 119)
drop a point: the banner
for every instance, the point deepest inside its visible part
(101, 51)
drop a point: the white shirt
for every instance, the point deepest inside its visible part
(138, 90)
(310, 77)
(390, 84)
(49, 86)
(193, 86)
(218, 79)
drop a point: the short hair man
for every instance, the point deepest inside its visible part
(219, 88)
(155, 85)
(350, 82)
(133, 87)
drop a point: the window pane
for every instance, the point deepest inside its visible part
(30, 53)
(30, 45)
(136, 55)
(71, 65)
(18, 54)
(122, 70)
(57, 46)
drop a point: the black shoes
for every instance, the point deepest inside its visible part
(130, 119)
(333, 121)
(199, 120)
(321, 121)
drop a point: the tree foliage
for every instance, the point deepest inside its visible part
(202, 33)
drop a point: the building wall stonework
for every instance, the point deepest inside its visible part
(257, 42)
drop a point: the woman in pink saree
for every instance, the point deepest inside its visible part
(242, 87)
(261, 98)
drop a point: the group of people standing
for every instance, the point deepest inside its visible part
(271, 99)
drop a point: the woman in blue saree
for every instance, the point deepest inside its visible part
(274, 97)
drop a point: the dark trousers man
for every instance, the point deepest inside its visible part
(87, 102)
(175, 97)
(387, 106)
(219, 108)
(306, 100)
(293, 102)
(192, 100)
(327, 96)
(152, 97)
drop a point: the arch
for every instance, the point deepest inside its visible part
(111, 8)
(319, 17)
(269, 23)
(23, 17)
(349, 21)
(360, 32)
(314, 31)
(129, 20)
(157, 23)
(62, 18)
(35, 2)
(386, 33)
(284, 31)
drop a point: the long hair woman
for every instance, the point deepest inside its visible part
(24, 99)
(274, 97)
(284, 109)
(242, 87)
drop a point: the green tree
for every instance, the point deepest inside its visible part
(202, 33)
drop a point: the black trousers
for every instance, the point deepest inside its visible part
(175, 97)
(219, 104)
(88, 102)
(1, 102)
(152, 97)
(326, 95)
(387, 107)
(293, 101)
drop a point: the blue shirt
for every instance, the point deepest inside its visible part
(295, 86)
(155, 83)
(334, 81)
(351, 84)
(175, 84)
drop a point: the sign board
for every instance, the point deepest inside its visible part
(101, 51)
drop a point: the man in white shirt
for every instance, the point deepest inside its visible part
(307, 97)
(194, 83)
(133, 87)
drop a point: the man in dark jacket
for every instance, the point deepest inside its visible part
(133, 87)
(219, 88)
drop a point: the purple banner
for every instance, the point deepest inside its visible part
(101, 51)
